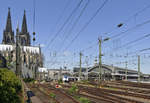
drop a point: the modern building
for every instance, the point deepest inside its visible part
(57, 74)
(42, 73)
(53, 74)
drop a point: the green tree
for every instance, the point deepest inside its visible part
(10, 87)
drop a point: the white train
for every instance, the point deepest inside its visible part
(69, 79)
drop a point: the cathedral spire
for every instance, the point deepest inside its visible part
(8, 24)
(24, 36)
(24, 24)
(8, 34)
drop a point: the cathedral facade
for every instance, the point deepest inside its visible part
(18, 48)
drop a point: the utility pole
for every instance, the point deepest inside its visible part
(113, 76)
(139, 74)
(100, 60)
(60, 74)
(100, 57)
(126, 72)
(17, 58)
(87, 67)
(80, 66)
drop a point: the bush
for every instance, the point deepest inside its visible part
(10, 87)
(60, 81)
(52, 95)
(73, 89)
(85, 81)
(84, 100)
(28, 80)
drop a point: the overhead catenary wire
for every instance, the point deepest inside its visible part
(136, 40)
(90, 20)
(66, 21)
(144, 49)
(127, 31)
(89, 47)
(86, 24)
(136, 52)
(75, 23)
(130, 43)
(119, 25)
(138, 12)
(59, 18)
(62, 27)
(125, 21)
(136, 26)
(130, 29)
(57, 22)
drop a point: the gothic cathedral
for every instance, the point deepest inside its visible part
(30, 57)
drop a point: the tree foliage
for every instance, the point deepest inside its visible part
(10, 87)
(29, 80)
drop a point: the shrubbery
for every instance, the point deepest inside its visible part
(73, 89)
(60, 81)
(84, 100)
(85, 81)
(52, 95)
(28, 80)
(10, 87)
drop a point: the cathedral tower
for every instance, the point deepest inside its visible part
(8, 34)
(23, 36)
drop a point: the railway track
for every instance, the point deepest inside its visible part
(42, 95)
(107, 95)
(114, 95)
(93, 99)
(128, 88)
(123, 94)
(125, 91)
(61, 96)
(132, 84)
(138, 88)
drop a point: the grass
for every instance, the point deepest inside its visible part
(52, 95)
(73, 89)
(73, 92)
(84, 100)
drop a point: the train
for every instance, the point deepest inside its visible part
(68, 79)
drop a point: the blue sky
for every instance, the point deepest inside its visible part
(51, 14)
